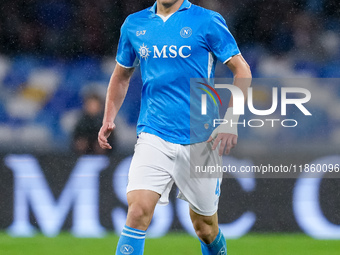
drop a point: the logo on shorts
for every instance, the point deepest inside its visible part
(144, 51)
(186, 32)
(126, 249)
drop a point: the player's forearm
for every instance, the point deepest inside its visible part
(242, 76)
(242, 79)
(116, 92)
(115, 96)
(243, 82)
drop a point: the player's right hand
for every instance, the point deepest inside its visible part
(104, 132)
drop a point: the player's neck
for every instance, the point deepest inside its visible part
(168, 8)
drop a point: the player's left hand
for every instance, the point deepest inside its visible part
(225, 135)
(228, 141)
(104, 132)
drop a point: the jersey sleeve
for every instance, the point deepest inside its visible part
(126, 55)
(220, 40)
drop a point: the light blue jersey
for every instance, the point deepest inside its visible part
(170, 52)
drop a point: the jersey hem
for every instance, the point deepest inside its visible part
(170, 139)
(231, 58)
(128, 67)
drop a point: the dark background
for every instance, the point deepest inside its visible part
(271, 199)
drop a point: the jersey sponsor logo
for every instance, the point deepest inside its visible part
(166, 51)
(126, 249)
(186, 32)
(144, 51)
(172, 51)
(142, 32)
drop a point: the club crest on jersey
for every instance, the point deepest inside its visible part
(186, 32)
(144, 51)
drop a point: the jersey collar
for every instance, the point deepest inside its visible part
(185, 5)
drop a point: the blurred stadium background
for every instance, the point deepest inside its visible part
(53, 53)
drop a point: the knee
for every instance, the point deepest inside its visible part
(139, 210)
(206, 227)
(206, 230)
(139, 216)
(141, 207)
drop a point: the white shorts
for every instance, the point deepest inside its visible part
(157, 164)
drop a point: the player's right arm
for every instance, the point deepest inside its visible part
(115, 96)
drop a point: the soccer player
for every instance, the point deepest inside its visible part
(172, 41)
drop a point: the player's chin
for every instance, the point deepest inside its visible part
(168, 3)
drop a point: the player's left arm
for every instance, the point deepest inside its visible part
(225, 134)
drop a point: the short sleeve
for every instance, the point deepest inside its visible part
(220, 40)
(126, 55)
